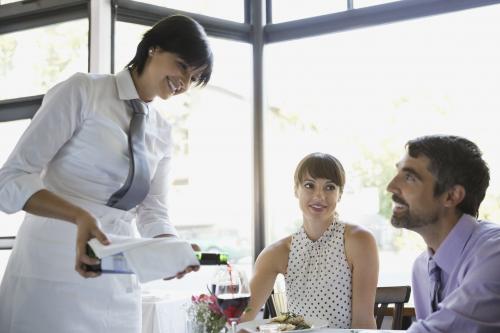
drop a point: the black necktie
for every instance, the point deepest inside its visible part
(136, 186)
(435, 283)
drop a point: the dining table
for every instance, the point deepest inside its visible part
(340, 330)
(351, 330)
(164, 312)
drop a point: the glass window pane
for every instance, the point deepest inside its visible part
(42, 56)
(361, 98)
(11, 132)
(233, 10)
(369, 3)
(211, 177)
(288, 10)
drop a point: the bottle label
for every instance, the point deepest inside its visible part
(116, 264)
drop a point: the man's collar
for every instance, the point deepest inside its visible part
(448, 253)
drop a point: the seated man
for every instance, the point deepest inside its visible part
(439, 185)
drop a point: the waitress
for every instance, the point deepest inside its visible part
(94, 159)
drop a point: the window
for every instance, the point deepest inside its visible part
(211, 176)
(369, 3)
(288, 10)
(361, 95)
(231, 9)
(42, 57)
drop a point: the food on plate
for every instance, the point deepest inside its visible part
(290, 321)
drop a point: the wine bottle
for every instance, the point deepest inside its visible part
(209, 258)
(115, 264)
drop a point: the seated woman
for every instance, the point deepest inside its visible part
(330, 267)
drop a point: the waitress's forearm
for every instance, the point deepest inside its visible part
(47, 204)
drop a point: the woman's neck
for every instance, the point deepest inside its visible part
(140, 84)
(316, 228)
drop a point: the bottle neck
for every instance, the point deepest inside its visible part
(207, 258)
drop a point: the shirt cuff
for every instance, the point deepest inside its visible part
(156, 228)
(14, 194)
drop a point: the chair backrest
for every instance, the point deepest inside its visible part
(397, 295)
(275, 304)
(269, 309)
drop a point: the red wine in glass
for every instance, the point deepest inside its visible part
(233, 305)
(231, 288)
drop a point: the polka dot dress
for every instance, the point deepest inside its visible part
(318, 278)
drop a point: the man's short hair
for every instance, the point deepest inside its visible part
(454, 161)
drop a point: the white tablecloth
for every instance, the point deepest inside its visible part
(337, 330)
(164, 312)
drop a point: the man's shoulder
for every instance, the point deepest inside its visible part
(488, 228)
(487, 237)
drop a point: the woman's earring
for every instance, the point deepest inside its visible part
(150, 52)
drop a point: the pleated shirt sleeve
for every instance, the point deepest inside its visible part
(62, 111)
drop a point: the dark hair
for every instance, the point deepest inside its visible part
(320, 165)
(181, 35)
(454, 161)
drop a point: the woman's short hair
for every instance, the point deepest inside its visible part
(320, 165)
(181, 35)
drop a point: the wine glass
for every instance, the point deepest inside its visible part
(231, 288)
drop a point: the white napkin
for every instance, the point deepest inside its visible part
(149, 258)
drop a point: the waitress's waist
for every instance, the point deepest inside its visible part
(111, 220)
(97, 208)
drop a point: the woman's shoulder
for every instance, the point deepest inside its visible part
(279, 247)
(83, 82)
(87, 78)
(356, 233)
(358, 242)
(276, 254)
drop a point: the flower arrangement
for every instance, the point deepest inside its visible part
(205, 315)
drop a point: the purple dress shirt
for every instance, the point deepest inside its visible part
(469, 259)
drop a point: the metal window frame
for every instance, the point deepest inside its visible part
(142, 13)
(366, 17)
(19, 108)
(24, 15)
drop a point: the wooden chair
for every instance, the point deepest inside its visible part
(397, 295)
(275, 305)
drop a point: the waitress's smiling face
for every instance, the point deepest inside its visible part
(168, 74)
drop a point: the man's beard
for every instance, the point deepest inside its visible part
(410, 220)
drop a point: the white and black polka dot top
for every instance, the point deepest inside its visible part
(318, 278)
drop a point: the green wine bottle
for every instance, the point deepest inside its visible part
(209, 258)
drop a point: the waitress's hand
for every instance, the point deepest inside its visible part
(87, 229)
(189, 268)
(184, 272)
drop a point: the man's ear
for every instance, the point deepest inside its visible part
(454, 196)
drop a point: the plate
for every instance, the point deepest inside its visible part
(251, 326)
